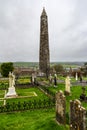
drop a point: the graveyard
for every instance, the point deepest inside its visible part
(35, 104)
(42, 95)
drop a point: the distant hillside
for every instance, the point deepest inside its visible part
(36, 64)
(69, 63)
(25, 64)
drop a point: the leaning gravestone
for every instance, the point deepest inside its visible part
(77, 116)
(60, 107)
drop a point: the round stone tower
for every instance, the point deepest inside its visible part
(44, 56)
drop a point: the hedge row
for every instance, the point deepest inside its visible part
(4, 86)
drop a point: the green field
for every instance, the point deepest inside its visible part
(30, 120)
(76, 91)
(41, 119)
(25, 95)
(36, 64)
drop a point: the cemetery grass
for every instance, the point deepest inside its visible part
(37, 119)
(23, 79)
(76, 91)
(30, 120)
(26, 95)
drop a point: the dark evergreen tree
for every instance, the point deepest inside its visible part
(6, 68)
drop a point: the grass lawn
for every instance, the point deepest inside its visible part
(75, 93)
(25, 95)
(41, 119)
(30, 120)
(23, 80)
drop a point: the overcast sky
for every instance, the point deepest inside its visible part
(20, 29)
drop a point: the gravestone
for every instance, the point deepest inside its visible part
(50, 79)
(33, 79)
(67, 86)
(83, 96)
(77, 116)
(11, 90)
(76, 76)
(60, 107)
(80, 79)
(4, 103)
(55, 80)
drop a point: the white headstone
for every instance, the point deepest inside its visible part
(76, 76)
(67, 84)
(33, 76)
(50, 78)
(11, 89)
(4, 103)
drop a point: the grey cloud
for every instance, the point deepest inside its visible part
(20, 29)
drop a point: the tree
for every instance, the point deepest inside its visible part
(85, 63)
(84, 69)
(58, 68)
(6, 68)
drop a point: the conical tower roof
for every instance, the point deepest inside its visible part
(43, 12)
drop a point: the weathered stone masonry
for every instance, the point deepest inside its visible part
(44, 58)
(77, 116)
